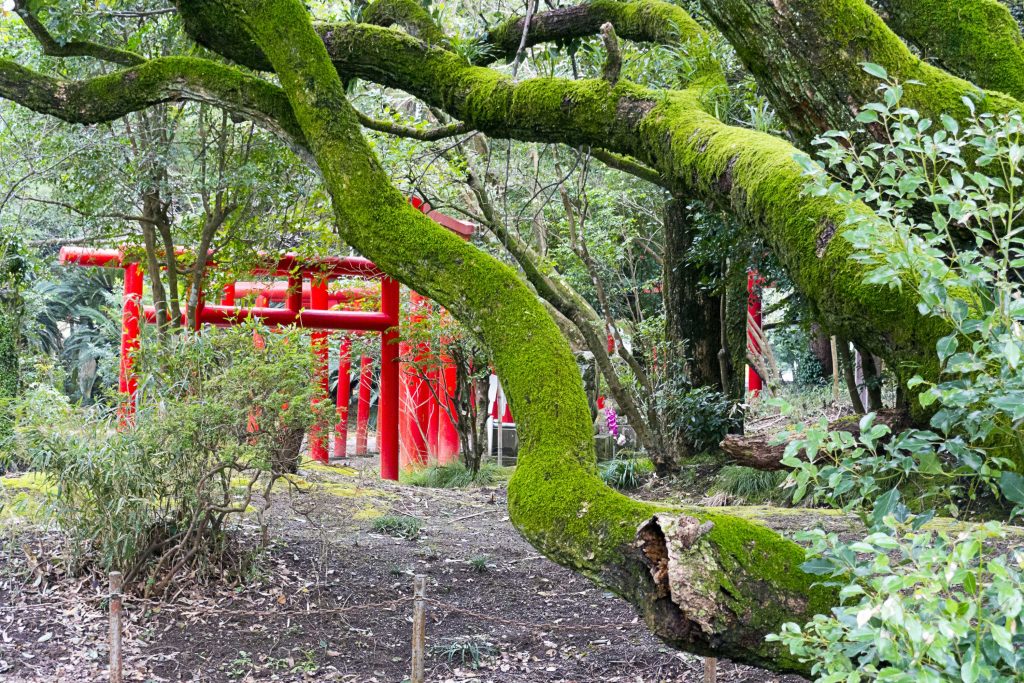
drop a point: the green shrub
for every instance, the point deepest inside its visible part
(918, 606)
(626, 473)
(156, 499)
(702, 415)
(921, 604)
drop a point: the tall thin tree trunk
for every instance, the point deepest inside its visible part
(693, 321)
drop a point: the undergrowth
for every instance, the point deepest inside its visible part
(454, 476)
(626, 473)
(752, 485)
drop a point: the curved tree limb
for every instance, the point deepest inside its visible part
(408, 14)
(555, 498)
(166, 79)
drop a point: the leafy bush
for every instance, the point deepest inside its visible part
(918, 605)
(702, 415)
(626, 473)
(946, 205)
(454, 475)
(156, 499)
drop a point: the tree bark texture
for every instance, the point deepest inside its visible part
(692, 313)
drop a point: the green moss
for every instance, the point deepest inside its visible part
(23, 497)
(774, 44)
(649, 21)
(35, 482)
(408, 14)
(978, 40)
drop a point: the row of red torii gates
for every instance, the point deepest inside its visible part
(412, 424)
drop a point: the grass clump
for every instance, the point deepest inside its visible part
(399, 526)
(626, 473)
(752, 485)
(479, 564)
(454, 476)
(465, 651)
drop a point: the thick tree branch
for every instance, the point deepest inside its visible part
(408, 14)
(651, 21)
(165, 79)
(555, 498)
(976, 39)
(814, 77)
(752, 174)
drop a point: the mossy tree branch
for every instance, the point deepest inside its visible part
(431, 134)
(976, 39)
(164, 79)
(408, 14)
(814, 77)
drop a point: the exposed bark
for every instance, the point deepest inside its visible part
(821, 349)
(872, 381)
(692, 314)
(849, 377)
(759, 452)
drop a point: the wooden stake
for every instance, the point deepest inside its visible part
(835, 371)
(116, 660)
(710, 670)
(419, 626)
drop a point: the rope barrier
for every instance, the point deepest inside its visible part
(270, 610)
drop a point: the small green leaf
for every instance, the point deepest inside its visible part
(884, 506)
(1011, 485)
(876, 70)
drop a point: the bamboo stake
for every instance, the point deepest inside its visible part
(116, 659)
(710, 670)
(419, 626)
(835, 371)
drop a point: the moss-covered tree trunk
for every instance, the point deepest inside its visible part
(12, 308)
(10, 372)
(693, 320)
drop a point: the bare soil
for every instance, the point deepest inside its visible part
(330, 601)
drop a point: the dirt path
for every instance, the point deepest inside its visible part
(331, 603)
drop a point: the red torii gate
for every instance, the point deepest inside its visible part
(307, 304)
(319, 271)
